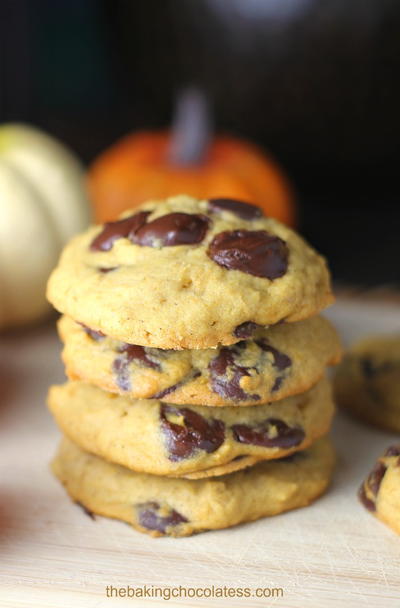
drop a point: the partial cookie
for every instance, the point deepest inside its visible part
(276, 363)
(153, 437)
(184, 273)
(179, 507)
(380, 492)
(367, 383)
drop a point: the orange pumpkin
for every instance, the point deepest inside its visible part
(136, 168)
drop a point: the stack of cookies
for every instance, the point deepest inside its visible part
(196, 397)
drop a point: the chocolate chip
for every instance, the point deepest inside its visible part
(196, 433)
(150, 518)
(226, 373)
(277, 384)
(171, 230)
(113, 231)
(174, 387)
(367, 502)
(393, 450)
(245, 330)
(166, 391)
(258, 253)
(367, 367)
(133, 352)
(272, 433)
(86, 510)
(246, 211)
(281, 361)
(105, 270)
(95, 335)
(374, 479)
(129, 353)
(371, 369)
(120, 369)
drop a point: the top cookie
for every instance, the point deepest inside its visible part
(184, 273)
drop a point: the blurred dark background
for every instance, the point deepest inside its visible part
(315, 82)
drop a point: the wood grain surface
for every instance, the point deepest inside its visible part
(53, 555)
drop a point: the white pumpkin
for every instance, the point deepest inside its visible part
(43, 203)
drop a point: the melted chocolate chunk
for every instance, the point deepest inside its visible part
(225, 374)
(174, 387)
(196, 433)
(121, 371)
(371, 369)
(86, 510)
(137, 353)
(375, 478)
(171, 230)
(246, 211)
(281, 361)
(95, 335)
(257, 253)
(272, 433)
(105, 270)
(245, 330)
(120, 229)
(129, 353)
(393, 450)
(367, 502)
(149, 517)
(277, 384)
(166, 391)
(367, 368)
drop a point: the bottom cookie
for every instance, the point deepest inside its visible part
(380, 492)
(179, 507)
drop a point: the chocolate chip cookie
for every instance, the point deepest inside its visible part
(184, 273)
(275, 363)
(380, 492)
(367, 383)
(155, 437)
(179, 507)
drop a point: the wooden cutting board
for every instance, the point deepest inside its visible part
(53, 555)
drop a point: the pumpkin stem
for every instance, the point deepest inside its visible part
(191, 128)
